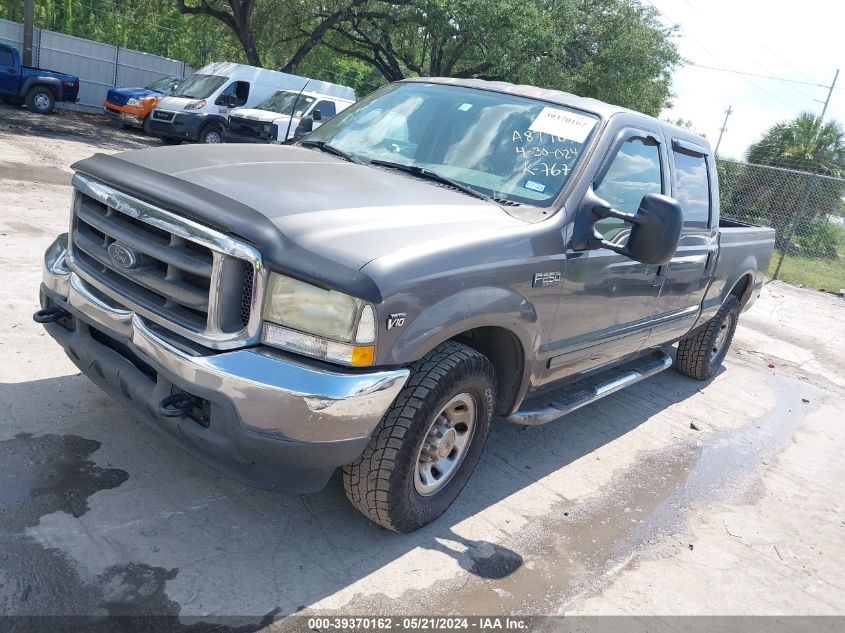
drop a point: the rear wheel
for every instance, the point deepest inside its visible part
(425, 448)
(700, 354)
(40, 99)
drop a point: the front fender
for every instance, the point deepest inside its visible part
(465, 310)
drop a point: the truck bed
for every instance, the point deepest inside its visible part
(744, 250)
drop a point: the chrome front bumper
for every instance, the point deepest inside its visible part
(270, 412)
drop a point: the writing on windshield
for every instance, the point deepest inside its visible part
(502, 145)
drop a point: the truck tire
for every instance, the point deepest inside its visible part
(428, 443)
(40, 99)
(700, 353)
(211, 133)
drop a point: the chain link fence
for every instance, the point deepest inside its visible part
(807, 211)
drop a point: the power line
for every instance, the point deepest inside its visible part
(763, 44)
(761, 76)
(744, 78)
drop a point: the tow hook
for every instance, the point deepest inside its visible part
(178, 404)
(50, 315)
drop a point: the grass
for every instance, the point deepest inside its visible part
(822, 274)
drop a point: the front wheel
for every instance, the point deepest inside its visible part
(211, 134)
(40, 99)
(427, 445)
(700, 354)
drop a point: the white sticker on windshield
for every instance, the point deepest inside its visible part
(464, 107)
(563, 124)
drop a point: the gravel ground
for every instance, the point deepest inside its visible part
(672, 497)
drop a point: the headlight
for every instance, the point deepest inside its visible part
(134, 102)
(195, 105)
(322, 323)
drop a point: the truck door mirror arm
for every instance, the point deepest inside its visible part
(655, 227)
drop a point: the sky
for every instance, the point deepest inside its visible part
(803, 41)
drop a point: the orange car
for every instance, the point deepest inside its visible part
(131, 106)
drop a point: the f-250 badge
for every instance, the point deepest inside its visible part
(542, 280)
(396, 320)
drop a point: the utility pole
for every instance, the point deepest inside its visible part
(803, 208)
(28, 12)
(829, 92)
(723, 130)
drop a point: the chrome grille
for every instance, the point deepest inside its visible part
(197, 282)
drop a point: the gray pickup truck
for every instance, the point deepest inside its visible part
(439, 254)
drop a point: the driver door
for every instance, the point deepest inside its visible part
(609, 300)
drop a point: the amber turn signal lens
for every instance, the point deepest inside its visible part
(363, 355)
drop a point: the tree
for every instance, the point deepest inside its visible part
(235, 14)
(615, 50)
(810, 156)
(803, 144)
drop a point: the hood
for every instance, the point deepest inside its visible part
(351, 214)
(265, 116)
(176, 103)
(119, 96)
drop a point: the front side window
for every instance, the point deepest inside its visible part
(238, 88)
(691, 187)
(634, 172)
(503, 145)
(199, 86)
(327, 109)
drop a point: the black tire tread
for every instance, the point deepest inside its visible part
(693, 357)
(30, 99)
(367, 480)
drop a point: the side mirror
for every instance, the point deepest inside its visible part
(655, 228)
(227, 100)
(305, 126)
(316, 115)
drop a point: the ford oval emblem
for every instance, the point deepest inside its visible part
(122, 256)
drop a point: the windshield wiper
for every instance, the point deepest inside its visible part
(424, 172)
(331, 149)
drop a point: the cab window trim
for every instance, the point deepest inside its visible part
(694, 150)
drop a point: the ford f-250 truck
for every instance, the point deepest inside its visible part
(440, 253)
(39, 89)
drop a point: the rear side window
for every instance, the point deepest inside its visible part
(327, 109)
(6, 57)
(691, 187)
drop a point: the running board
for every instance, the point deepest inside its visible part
(550, 406)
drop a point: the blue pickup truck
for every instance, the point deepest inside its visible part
(38, 88)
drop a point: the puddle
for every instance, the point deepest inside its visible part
(647, 504)
(45, 474)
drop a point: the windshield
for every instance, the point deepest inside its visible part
(283, 102)
(509, 147)
(163, 85)
(199, 86)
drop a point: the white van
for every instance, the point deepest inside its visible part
(199, 110)
(276, 119)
